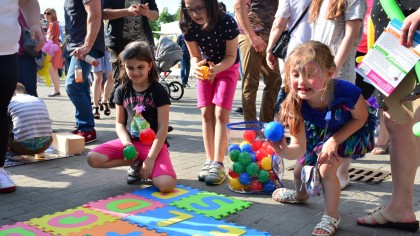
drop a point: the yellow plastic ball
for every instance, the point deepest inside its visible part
(266, 163)
(235, 184)
(205, 71)
(243, 143)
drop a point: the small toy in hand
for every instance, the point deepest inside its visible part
(50, 48)
(416, 129)
(130, 153)
(147, 136)
(274, 131)
(205, 71)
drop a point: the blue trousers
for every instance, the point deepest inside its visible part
(185, 68)
(27, 73)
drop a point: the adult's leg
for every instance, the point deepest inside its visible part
(96, 88)
(251, 67)
(9, 76)
(55, 79)
(272, 81)
(27, 73)
(79, 95)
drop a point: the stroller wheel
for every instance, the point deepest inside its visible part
(166, 87)
(176, 90)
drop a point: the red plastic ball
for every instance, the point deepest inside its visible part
(249, 135)
(256, 186)
(147, 136)
(261, 154)
(232, 173)
(256, 145)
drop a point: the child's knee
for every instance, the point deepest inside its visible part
(93, 159)
(164, 183)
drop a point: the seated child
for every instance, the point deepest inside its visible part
(31, 125)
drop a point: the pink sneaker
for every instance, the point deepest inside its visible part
(90, 136)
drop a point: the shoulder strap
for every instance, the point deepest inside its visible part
(300, 18)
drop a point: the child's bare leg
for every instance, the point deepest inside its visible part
(301, 194)
(164, 183)
(98, 160)
(208, 126)
(220, 134)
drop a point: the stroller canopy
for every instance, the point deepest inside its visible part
(168, 53)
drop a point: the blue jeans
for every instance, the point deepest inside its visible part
(27, 73)
(185, 68)
(79, 95)
(280, 98)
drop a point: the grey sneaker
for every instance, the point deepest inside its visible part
(133, 176)
(204, 171)
(216, 174)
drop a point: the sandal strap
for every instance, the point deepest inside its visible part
(328, 223)
(379, 216)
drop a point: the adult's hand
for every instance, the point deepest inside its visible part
(410, 25)
(38, 35)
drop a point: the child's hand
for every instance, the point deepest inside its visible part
(147, 168)
(278, 146)
(198, 70)
(328, 153)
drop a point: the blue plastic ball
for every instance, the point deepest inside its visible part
(274, 131)
(253, 157)
(234, 147)
(269, 187)
(246, 148)
(245, 178)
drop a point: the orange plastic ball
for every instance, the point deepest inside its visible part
(205, 71)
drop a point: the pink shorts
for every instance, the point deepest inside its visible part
(221, 92)
(114, 150)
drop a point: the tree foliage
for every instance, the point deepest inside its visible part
(164, 17)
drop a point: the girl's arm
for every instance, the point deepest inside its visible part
(359, 116)
(195, 60)
(297, 147)
(228, 60)
(120, 128)
(163, 123)
(279, 25)
(348, 42)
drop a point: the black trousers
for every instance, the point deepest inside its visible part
(9, 73)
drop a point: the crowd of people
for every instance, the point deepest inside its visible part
(314, 91)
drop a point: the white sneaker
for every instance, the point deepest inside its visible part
(6, 183)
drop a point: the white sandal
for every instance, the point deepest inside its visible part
(329, 224)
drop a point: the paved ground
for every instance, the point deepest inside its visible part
(48, 187)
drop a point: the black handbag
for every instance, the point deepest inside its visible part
(280, 47)
(29, 44)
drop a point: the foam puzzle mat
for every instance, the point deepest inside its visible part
(185, 211)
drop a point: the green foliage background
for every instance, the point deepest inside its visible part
(164, 17)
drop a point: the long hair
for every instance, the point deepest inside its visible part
(336, 8)
(213, 14)
(141, 51)
(53, 13)
(311, 51)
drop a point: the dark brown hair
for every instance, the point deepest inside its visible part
(213, 14)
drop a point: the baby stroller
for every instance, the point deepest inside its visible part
(168, 54)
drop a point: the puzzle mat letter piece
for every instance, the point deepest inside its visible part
(211, 204)
(71, 220)
(179, 192)
(117, 228)
(124, 205)
(21, 229)
(179, 222)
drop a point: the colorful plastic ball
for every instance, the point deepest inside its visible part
(130, 153)
(274, 131)
(261, 154)
(252, 169)
(266, 163)
(243, 143)
(263, 176)
(269, 187)
(234, 155)
(249, 135)
(235, 184)
(416, 129)
(147, 136)
(245, 178)
(256, 145)
(244, 158)
(232, 173)
(205, 71)
(272, 176)
(268, 149)
(256, 186)
(246, 148)
(253, 157)
(238, 168)
(233, 147)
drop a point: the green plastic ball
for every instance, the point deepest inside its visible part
(238, 168)
(252, 169)
(263, 176)
(245, 158)
(234, 155)
(416, 129)
(130, 153)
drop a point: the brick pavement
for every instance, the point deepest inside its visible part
(48, 187)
